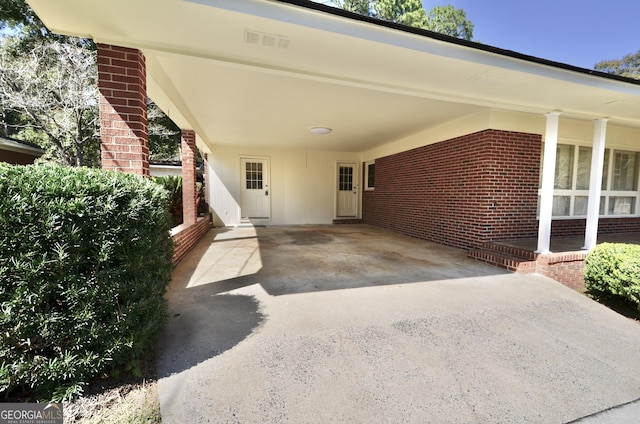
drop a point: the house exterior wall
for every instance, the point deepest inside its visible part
(459, 192)
(302, 184)
(165, 170)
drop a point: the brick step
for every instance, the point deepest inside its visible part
(510, 250)
(347, 221)
(504, 260)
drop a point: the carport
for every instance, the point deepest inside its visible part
(353, 323)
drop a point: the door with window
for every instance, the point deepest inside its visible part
(256, 197)
(347, 190)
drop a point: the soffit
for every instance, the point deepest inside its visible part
(371, 84)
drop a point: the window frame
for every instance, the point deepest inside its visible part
(367, 164)
(606, 193)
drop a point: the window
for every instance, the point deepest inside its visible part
(564, 167)
(253, 175)
(369, 175)
(345, 182)
(625, 171)
(620, 178)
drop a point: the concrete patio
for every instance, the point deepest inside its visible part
(352, 323)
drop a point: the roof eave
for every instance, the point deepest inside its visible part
(308, 4)
(19, 147)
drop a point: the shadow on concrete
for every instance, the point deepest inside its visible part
(202, 324)
(203, 327)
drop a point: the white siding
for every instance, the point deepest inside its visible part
(302, 185)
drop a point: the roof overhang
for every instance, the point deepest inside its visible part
(20, 147)
(261, 73)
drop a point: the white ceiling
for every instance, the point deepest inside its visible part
(260, 72)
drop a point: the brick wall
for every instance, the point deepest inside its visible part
(123, 109)
(576, 227)
(186, 236)
(566, 268)
(460, 192)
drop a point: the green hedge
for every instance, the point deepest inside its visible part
(85, 259)
(173, 184)
(613, 269)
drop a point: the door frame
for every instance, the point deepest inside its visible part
(267, 184)
(356, 183)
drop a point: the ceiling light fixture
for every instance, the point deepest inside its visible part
(320, 130)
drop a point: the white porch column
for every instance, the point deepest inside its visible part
(595, 183)
(548, 177)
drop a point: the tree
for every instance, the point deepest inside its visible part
(451, 21)
(13, 13)
(361, 7)
(38, 105)
(53, 88)
(443, 19)
(407, 12)
(628, 66)
(164, 134)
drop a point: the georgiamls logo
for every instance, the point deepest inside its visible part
(31, 413)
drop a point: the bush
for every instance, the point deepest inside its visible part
(85, 259)
(173, 184)
(613, 269)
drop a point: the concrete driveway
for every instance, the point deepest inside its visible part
(355, 324)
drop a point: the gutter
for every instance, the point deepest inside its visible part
(20, 147)
(308, 4)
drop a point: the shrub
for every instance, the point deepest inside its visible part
(613, 269)
(173, 184)
(85, 259)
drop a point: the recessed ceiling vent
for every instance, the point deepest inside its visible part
(267, 40)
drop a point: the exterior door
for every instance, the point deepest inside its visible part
(347, 195)
(256, 197)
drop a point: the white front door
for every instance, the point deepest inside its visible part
(255, 188)
(347, 195)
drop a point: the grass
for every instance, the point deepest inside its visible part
(125, 400)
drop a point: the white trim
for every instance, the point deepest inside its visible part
(595, 184)
(267, 188)
(355, 185)
(548, 176)
(366, 176)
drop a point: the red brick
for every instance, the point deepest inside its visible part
(123, 109)
(459, 192)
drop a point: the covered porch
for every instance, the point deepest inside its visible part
(454, 140)
(564, 262)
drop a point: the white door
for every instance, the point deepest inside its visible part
(255, 188)
(347, 195)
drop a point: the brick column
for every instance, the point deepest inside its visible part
(122, 81)
(188, 147)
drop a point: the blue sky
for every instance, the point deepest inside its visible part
(577, 32)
